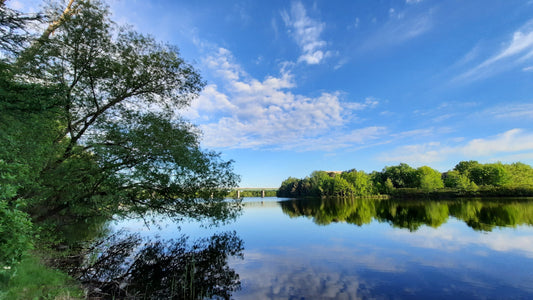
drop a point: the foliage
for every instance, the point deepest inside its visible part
(90, 126)
(25, 147)
(324, 184)
(402, 176)
(321, 183)
(428, 178)
(496, 174)
(15, 235)
(13, 28)
(454, 179)
(519, 175)
(467, 178)
(489, 174)
(341, 187)
(288, 188)
(464, 167)
(103, 131)
(360, 181)
(388, 186)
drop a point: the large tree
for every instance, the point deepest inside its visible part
(402, 176)
(120, 140)
(429, 178)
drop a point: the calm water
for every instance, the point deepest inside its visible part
(320, 249)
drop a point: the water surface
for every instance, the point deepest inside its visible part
(365, 249)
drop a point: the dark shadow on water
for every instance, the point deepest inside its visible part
(124, 266)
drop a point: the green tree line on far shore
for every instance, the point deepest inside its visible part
(466, 178)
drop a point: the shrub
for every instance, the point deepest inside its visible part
(15, 235)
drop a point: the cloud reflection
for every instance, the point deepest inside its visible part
(452, 239)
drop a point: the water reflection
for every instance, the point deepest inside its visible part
(479, 215)
(126, 266)
(290, 257)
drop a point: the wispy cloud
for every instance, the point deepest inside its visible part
(518, 50)
(244, 112)
(520, 111)
(306, 32)
(401, 27)
(515, 142)
(370, 102)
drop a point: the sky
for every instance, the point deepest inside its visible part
(297, 86)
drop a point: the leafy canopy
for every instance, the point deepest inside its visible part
(106, 132)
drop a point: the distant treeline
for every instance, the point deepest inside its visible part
(468, 178)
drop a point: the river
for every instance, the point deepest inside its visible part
(331, 249)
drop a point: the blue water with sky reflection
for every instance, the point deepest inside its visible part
(295, 258)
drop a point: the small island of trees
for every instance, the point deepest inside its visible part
(468, 178)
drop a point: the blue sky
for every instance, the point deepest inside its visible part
(297, 86)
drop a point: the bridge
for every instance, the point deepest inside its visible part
(254, 189)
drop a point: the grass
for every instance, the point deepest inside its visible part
(30, 279)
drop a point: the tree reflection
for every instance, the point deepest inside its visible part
(479, 215)
(125, 266)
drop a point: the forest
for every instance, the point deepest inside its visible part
(468, 178)
(90, 127)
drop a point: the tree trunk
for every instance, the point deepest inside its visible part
(55, 24)
(51, 28)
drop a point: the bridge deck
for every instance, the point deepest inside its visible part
(257, 189)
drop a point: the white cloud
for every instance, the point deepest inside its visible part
(520, 47)
(223, 66)
(244, 112)
(514, 142)
(510, 141)
(451, 239)
(211, 100)
(306, 32)
(412, 1)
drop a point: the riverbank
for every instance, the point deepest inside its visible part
(32, 279)
(447, 193)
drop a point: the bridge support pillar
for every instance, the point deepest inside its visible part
(238, 194)
(262, 193)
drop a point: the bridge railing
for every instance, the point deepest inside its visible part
(262, 192)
